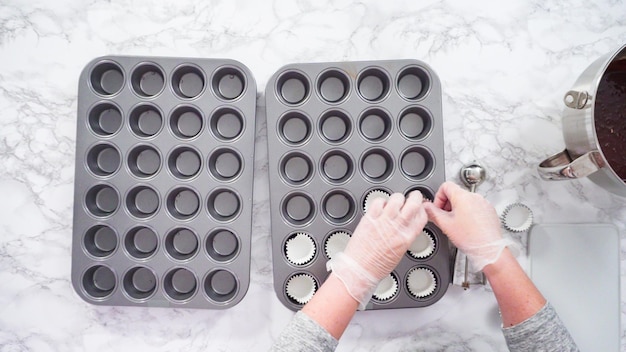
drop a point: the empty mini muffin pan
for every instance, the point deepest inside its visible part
(339, 136)
(164, 174)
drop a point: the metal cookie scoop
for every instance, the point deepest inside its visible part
(472, 175)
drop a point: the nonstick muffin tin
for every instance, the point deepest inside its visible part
(163, 189)
(338, 132)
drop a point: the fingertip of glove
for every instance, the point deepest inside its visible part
(433, 212)
(415, 196)
(429, 208)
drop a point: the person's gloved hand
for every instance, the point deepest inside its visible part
(470, 222)
(378, 244)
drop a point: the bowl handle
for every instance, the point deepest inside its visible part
(561, 166)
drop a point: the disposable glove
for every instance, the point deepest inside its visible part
(470, 222)
(378, 243)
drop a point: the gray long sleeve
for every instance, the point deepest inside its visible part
(544, 331)
(304, 334)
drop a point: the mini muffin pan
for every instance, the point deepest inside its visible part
(338, 132)
(164, 174)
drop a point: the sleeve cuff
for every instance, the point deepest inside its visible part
(305, 334)
(543, 331)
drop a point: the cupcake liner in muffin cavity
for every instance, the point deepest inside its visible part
(336, 242)
(423, 246)
(300, 248)
(372, 196)
(301, 288)
(421, 282)
(386, 289)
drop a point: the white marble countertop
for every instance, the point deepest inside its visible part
(504, 69)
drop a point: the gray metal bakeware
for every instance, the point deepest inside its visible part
(336, 132)
(163, 187)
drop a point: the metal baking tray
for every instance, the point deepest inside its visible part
(336, 132)
(163, 186)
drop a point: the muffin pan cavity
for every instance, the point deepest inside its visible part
(416, 163)
(222, 245)
(102, 200)
(415, 123)
(333, 85)
(180, 284)
(224, 204)
(229, 83)
(221, 286)
(139, 283)
(141, 242)
(183, 203)
(142, 202)
(103, 159)
(339, 206)
(336, 166)
(427, 194)
(144, 161)
(387, 289)
(413, 82)
(377, 165)
(100, 241)
(164, 175)
(106, 78)
(188, 81)
(335, 242)
(181, 244)
(146, 120)
(299, 248)
(424, 245)
(293, 87)
(104, 118)
(147, 79)
(98, 282)
(300, 288)
(225, 164)
(296, 168)
(294, 128)
(184, 162)
(227, 124)
(375, 124)
(342, 134)
(186, 121)
(335, 126)
(373, 84)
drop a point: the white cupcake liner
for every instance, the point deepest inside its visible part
(517, 217)
(335, 243)
(301, 288)
(300, 249)
(386, 289)
(423, 246)
(421, 282)
(373, 195)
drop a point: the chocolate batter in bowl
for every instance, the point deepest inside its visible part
(610, 117)
(594, 127)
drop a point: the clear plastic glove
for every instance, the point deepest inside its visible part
(470, 222)
(378, 244)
